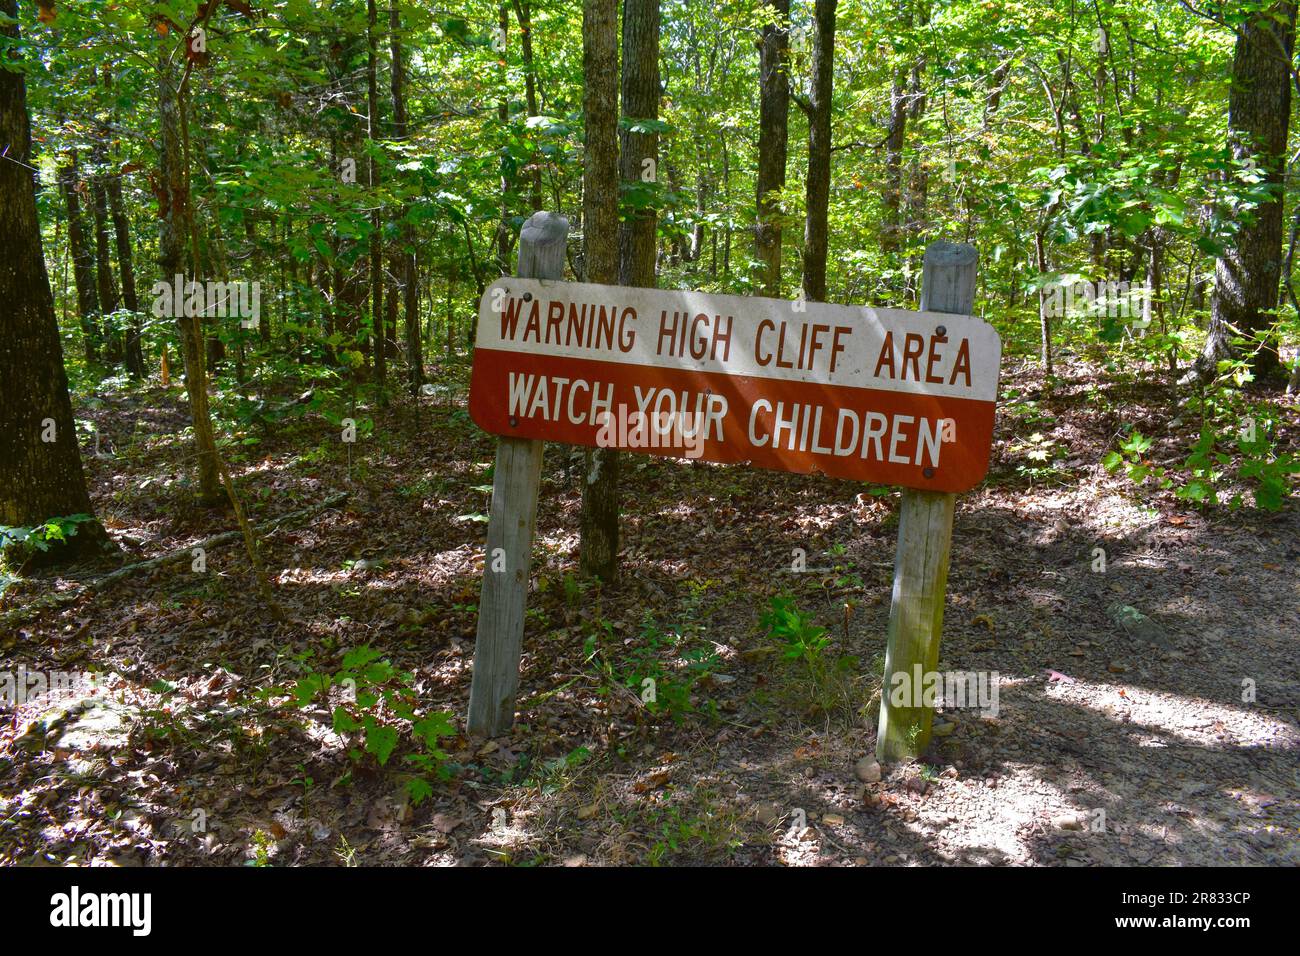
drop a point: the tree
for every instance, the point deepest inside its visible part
(407, 260)
(126, 267)
(600, 231)
(376, 222)
(773, 136)
(816, 237)
(40, 464)
(1246, 275)
(83, 259)
(176, 244)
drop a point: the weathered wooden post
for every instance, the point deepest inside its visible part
(924, 540)
(511, 524)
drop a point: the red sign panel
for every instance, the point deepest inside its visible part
(881, 395)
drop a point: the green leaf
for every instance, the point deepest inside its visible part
(419, 790)
(381, 741)
(344, 722)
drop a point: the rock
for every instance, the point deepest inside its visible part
(868, 770)
(587, 812)
(943, 728)
(1138, 626)
(917, 785)
(1068, 821)
(833, 819)
(1116, 668)
(768, 814)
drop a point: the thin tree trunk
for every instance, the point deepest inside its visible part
(816, 230)
(83, 261)
(376, 223)
(891, 237)
(126, 269)
(523, 14)
(407, 265)
(176, 258)
(105, 288)
(598, 552)
(773, 141)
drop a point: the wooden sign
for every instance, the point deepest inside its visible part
(882, 395)
(879, 394)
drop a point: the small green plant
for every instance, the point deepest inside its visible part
(263, 843)
(1039, 453)
(824, 684)
(346, 852)
(1236, 443)
(1131, 457)
(803, 640)
(663, 687)
(375, 705)
(26, 541)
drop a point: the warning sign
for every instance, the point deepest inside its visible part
(882, 395)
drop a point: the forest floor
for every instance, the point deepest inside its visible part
(173, 758)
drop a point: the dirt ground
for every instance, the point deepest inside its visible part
(1113, 743)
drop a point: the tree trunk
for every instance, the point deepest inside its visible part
(773, 139)
(83, 261)
(523, 13)
(407, 266)
(505, 235)
(40, 464)
(891, 238)
(1259, 111)
(376, 223)
(105, 288)
(126, 268)
(918, 185)
(598, 552)
(816, 238)
(176, 258)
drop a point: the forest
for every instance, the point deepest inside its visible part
(311, 553)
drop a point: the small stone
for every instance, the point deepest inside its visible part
(943, 729)
(768, 814)
(868, 770)
(1116, 668)
(1067, 822)
(587, 812)
(834, 819)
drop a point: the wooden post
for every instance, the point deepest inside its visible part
(924, 540)
(511, 524)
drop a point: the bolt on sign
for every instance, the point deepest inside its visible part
(883, 395)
